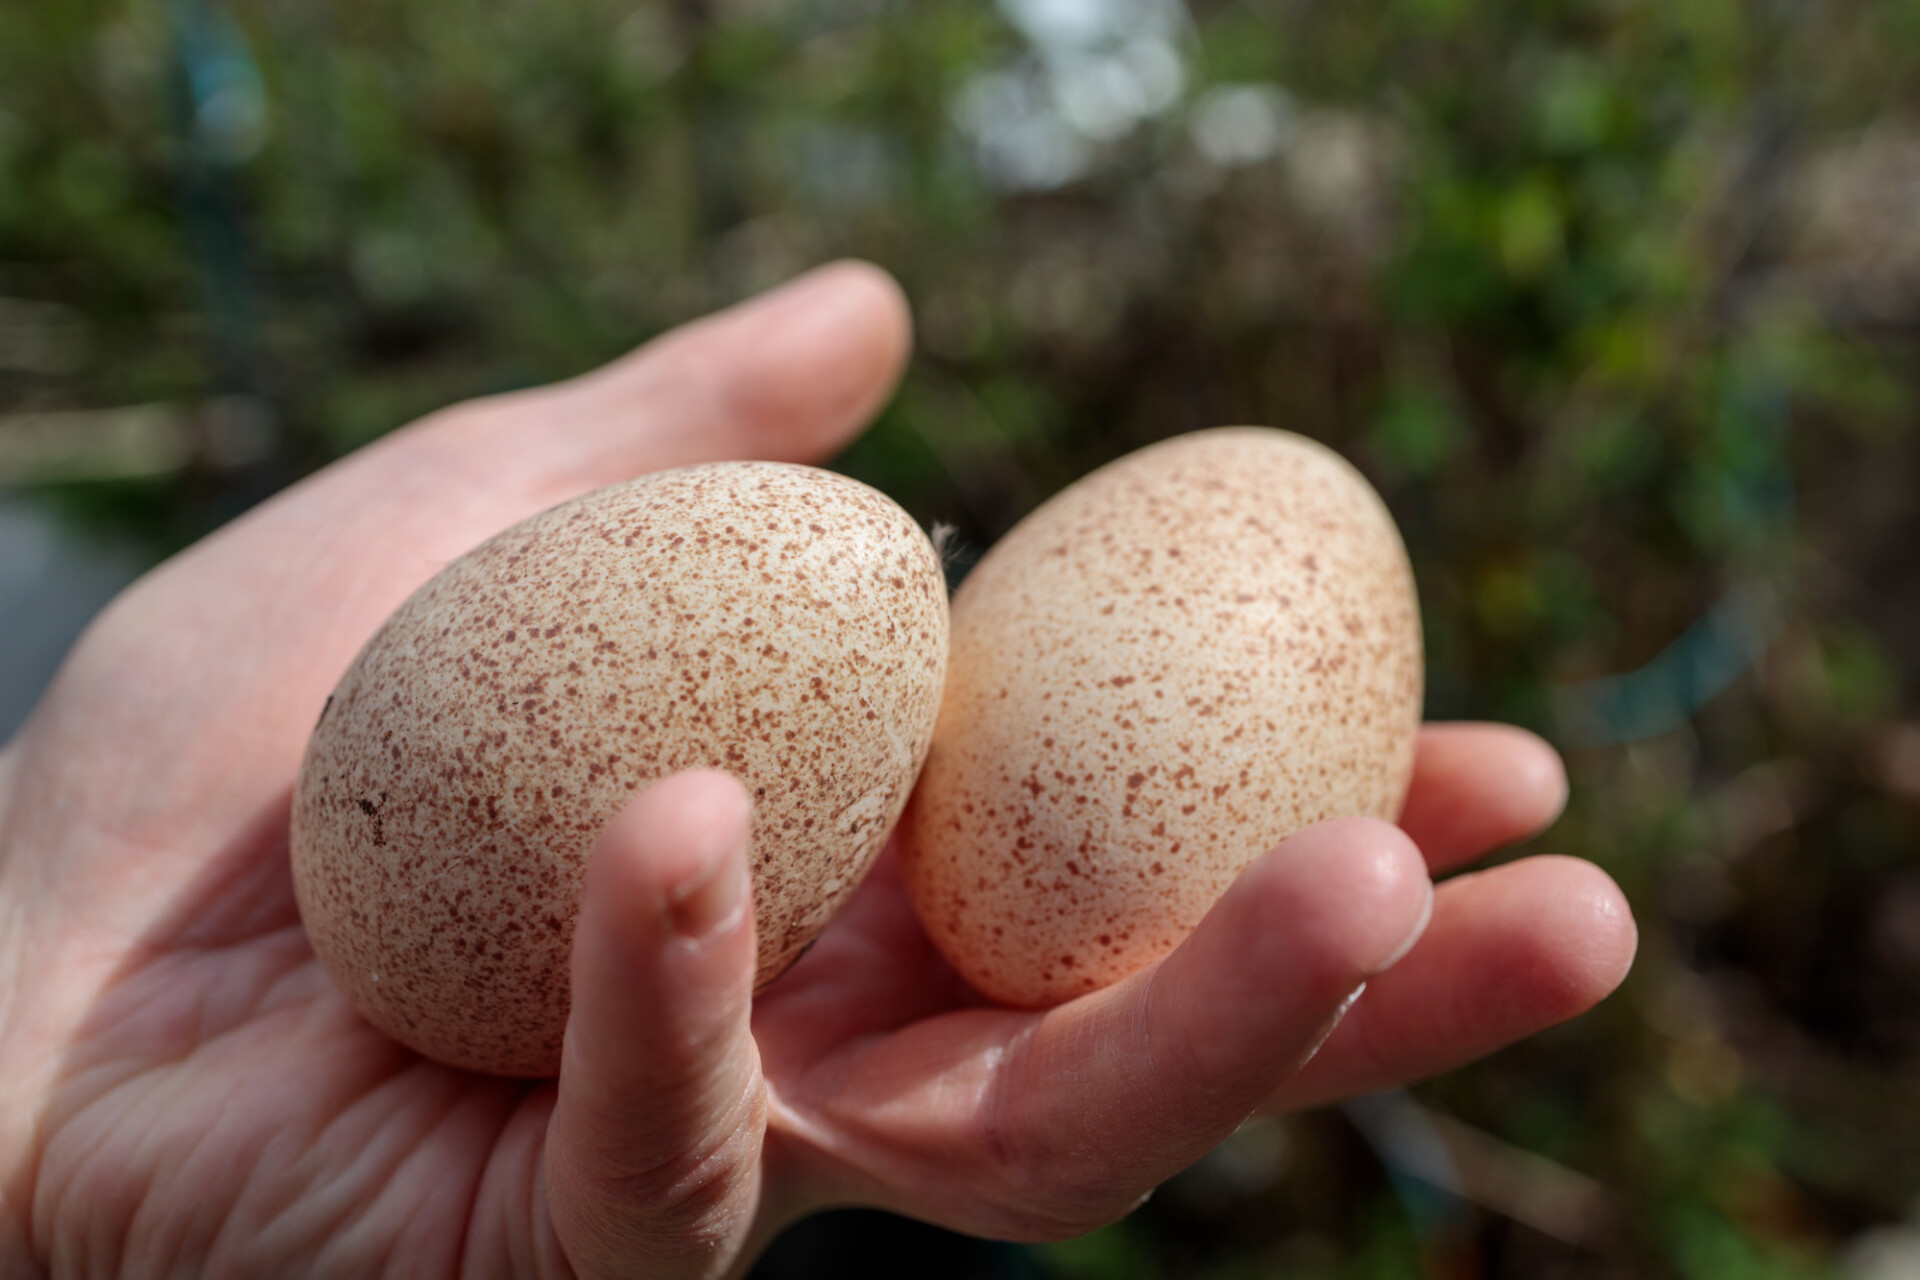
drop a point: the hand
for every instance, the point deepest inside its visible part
(187, 1092)
(1329, 969)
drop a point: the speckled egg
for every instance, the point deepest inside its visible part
(781, 623)
(1156, 677)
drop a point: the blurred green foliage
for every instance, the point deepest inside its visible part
(1615, 300)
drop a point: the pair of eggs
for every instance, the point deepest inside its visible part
(1154, 678)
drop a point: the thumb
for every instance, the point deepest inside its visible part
(652, 1160)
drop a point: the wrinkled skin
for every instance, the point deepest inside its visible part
(187, 1094)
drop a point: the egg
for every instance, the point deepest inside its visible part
(779, 622)
(1155, 678)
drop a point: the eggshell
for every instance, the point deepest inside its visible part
(779, 622)
(1155, 678)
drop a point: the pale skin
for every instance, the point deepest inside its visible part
(185, 1092)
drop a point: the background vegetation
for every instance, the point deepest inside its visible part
(1615, 300)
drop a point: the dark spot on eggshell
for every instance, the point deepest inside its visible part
(782, 623)
(1217, 640)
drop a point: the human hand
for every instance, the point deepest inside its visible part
(187, 1092)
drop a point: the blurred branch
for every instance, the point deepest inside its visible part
(1706, 658)
(1470, 1165)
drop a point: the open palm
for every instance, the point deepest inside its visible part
(187, 1093)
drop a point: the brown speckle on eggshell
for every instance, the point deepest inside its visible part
(781, 623)
(1156, 677)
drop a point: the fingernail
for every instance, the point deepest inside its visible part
(713, 898)
(1406, 944)
(1333, 1023)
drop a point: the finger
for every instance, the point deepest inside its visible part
(791, 375)
(1043, 1126)
(825, 351)
(1510, 952)
(1477, 787)
(653, 1151)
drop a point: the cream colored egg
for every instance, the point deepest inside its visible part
(781, 623)
(1155, 678)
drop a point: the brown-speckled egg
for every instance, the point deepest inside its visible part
(781, 623)
(1157, 676)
